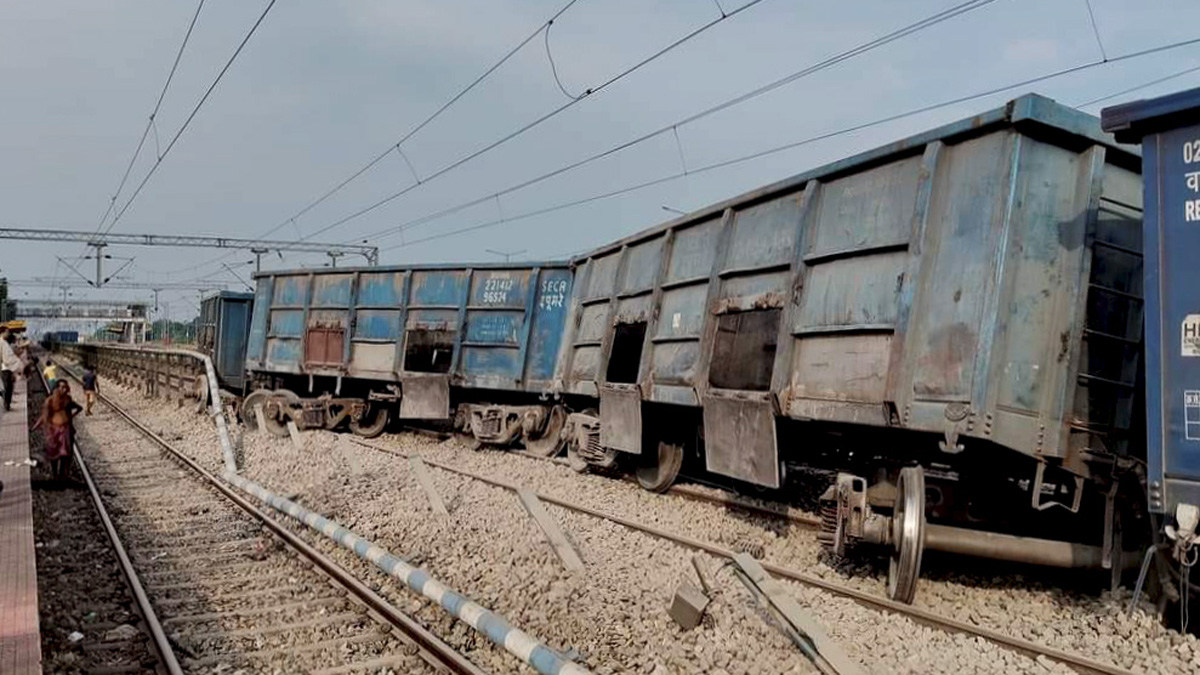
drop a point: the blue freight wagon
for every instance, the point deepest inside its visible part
(950, 325)
(221, 333)
(946, 330)
(368, 344)
(1169, 130)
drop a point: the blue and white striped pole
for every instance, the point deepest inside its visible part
(493, 626)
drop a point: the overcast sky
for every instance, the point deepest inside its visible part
(325, 86)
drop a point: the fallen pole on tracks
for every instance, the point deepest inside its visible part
(493, 626)
(806, 633)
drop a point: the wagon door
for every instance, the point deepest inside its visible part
(324, 342)
(745, 299)
(325, 330)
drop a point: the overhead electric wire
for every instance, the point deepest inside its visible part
(820, 137)
(137, 151)
(407, 135)
(434, 115)
(587, 93)
(150, 121)
(191, 116)
(1144, 85)
(1096, 29)
(863, 48)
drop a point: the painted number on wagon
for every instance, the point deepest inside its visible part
(495, 290)
(1191, 152)
(554, 293)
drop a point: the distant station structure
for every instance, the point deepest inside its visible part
(128, 321)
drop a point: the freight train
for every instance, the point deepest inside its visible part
(945, 333)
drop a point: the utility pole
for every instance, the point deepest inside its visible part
(258, 254)
(99, 246)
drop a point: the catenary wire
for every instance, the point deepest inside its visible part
(587, 93)
(154, 113)
(812, 139)
(1144, 85)
(672, 127)
(396, 146)
(521, 130)
(433, 116)
(1095, 29)
(112, 202)
(191, 116)
(554, 68)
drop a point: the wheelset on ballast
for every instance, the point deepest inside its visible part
(908, 535)
(849, 521)
(372, 423)
(658, 468)
(272, 404)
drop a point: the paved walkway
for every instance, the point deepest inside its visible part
(20, 643)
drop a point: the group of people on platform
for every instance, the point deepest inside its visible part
(59, 408)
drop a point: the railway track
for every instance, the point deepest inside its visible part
(1077, 662)
(1043, 653)
(222, 585)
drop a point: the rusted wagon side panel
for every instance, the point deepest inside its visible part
(980, 280)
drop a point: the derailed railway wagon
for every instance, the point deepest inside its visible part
(221, 334)
(366, 345)
(942, 336)
(951, 325)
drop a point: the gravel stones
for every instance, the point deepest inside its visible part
(614, 612)
(231, 599)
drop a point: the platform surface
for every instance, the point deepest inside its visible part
(20, 642)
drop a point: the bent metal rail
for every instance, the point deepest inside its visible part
(427, 645)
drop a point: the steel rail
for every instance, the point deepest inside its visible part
(1077, 661)
(158, 636)
(430, 647)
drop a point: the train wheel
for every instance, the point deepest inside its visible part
(908, 535)
(200, 393)
(373, 423)
(246, 410)
(657, 470)
(273, 411)
(577, 463)
(550, 442)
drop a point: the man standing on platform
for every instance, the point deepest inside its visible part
(10, 365)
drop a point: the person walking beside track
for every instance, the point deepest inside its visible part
(90, 387)
(56, 416)
(50, 373)
(10, 366)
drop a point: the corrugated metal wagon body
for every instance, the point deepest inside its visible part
(979, 281)
(223, 332)
(485, 327)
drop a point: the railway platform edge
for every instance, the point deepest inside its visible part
(20, 639)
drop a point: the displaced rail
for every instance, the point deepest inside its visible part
(1076, 661)
(229, 595)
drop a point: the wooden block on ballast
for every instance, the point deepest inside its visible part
(422, 474)
(554, 534)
